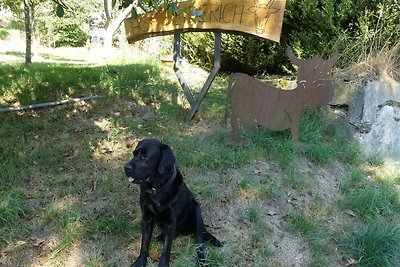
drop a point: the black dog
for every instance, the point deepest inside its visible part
(165, 201)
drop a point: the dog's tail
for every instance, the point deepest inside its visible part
(212, 239)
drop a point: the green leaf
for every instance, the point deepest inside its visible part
(174, 8)
(60, 11)
(126, 3)
(113, 3)
(166, 5)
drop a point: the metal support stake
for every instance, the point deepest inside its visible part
(194, 104)
(211, 77)
(178, 73)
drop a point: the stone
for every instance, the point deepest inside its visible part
(369, 112)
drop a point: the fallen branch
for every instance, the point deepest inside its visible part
(50, 104)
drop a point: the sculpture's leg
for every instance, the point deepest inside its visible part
(235, 137)
(294, 129)
(225, 119)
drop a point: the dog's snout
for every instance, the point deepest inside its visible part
(128, 168)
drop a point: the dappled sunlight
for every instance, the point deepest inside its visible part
(111, 152)
(202, 128)
(193, 75)
(74, 256)
(250, 194)
(70, 258)
(63, 204)
(387, 171)
(104, 124)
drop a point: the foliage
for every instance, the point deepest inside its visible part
(69, 33)
(72, 29)
(148, 5)
(310, 27)
(13, 5)
(58, 24)
(3, 33)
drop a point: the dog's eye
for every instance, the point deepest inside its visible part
(141, 154)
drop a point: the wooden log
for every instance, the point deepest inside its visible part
(260, 18)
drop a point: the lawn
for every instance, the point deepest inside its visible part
(64, 199)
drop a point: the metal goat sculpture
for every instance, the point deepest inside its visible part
(254, 102)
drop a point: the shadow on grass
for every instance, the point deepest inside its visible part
(50, 56)
(60, 174)
(41, 82)
(15, 54)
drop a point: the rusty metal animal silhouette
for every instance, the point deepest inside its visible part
(255, 102)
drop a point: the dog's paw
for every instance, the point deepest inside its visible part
(164, 262)
(218, 243)
(140, 262)
(135, 264)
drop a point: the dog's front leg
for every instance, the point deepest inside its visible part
(147, 231)
(169, 232)
(199, 237)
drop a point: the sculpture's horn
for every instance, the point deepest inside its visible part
(332, 61)
(295, 60)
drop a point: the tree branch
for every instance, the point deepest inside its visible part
(107, 10)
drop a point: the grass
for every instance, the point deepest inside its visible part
(372, 237)
(373, 245)
(314, 235)
(372, 200)
(63, 193)
(11, 211)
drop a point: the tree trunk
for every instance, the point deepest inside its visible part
(35, 41)
(113, 25)
(108, 9)
(28, 33)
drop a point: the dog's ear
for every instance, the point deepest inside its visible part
(167, 159)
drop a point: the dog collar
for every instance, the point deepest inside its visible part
(154, 190)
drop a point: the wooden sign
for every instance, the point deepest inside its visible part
(260, 18)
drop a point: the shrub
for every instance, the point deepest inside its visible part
(3, 34)
(70, 34)
(70, 30)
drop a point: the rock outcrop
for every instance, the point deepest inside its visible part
(369, 111)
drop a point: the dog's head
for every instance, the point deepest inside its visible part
(152, 161)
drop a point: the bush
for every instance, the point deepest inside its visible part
(70, 34)
(3, 34)
(70, 30)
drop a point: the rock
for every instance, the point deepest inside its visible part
(384, 137)
(369, 112)
(377, 93)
